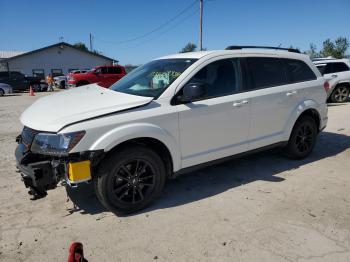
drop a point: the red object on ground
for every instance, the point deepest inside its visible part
(104, 76)
(76, 253)
(31, 91)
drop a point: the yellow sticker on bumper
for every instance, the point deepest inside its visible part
(79, 171)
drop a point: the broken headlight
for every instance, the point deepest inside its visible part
(55, 144)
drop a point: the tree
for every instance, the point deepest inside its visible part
(312, 52)
(81, 46)
(190, 47)
(335, 49)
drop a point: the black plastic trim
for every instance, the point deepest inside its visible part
(221, 160)
(238, 47)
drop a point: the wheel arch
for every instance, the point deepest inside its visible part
(156, 145)
(308, 107)
(149, 135)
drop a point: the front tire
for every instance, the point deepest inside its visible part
(340, 94)
(130, 179)
(303, 138)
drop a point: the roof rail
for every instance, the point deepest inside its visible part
(238, 47)
(324, 58)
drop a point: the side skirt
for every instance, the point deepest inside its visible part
(228, 158)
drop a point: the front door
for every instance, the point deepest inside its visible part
(217, 124)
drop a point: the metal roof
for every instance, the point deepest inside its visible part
(8, 54)
(57, 45)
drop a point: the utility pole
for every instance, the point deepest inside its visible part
(90, 42)
(201, 25)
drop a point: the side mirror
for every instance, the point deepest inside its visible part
(192, 91)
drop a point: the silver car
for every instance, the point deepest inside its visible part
(5, 89)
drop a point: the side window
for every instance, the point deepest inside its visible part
(328, 69)
(104, 70)
(321, 68)
(339, 67)
(114, 70)
(220, 78)
(4, 74)
(17, 75)
(266, 72)
(298, 71)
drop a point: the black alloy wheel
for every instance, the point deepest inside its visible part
(302, 139)
(130, 179)
(133, 181)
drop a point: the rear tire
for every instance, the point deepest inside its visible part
(340, 94)
(130, 179)
(302, 139)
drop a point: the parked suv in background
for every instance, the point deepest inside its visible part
(19, 81)
(169, 116)
(337, 73)
(104, 76)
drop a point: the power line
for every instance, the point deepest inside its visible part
(154, 30)
(162, 32)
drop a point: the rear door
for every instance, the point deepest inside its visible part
(273, 99)
(336, 71)
(102, 76)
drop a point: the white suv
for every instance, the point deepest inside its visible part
(168, 116)
(337, 73)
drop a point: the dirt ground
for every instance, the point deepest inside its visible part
(260, 208)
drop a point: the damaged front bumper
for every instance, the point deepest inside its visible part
(41, 173)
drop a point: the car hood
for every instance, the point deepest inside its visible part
(53, 112)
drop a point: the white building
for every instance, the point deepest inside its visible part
(60, 58)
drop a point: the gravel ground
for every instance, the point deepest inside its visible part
(259, 208)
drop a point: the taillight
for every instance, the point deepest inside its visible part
(326, 86)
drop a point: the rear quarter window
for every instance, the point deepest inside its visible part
(339, 67)
(298, 71)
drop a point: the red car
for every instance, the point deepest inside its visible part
(104, 76)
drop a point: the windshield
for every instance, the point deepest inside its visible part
(152, 78)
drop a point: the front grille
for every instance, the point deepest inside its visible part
(28, 136)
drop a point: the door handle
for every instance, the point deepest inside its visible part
(292, 93)
(240, 103)
(334, 76)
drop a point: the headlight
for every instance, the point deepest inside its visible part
(55, 144)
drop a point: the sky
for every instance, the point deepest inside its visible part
(136, 31)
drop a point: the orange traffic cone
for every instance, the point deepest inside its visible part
(31, 91)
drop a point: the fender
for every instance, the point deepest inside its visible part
(298, 110)
(124, 133)
(342, 82)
